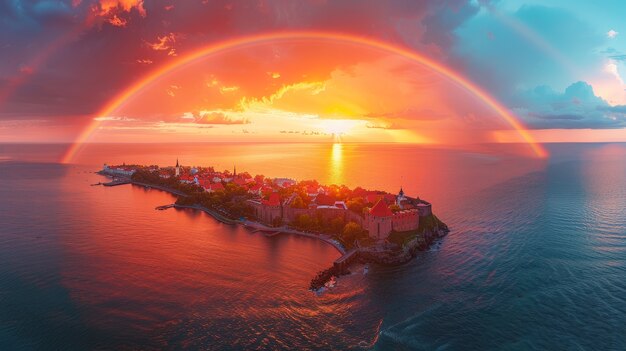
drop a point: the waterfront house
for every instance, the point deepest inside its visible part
(118, 170)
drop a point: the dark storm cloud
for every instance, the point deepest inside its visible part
(86, 60)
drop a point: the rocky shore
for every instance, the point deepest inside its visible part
(389, 255)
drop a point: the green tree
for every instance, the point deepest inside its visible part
(352, 231)
(356, 204)
(337, 224)
(298, 202)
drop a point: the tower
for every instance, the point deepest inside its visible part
(400, 197)
(234, 171)
(177, 168)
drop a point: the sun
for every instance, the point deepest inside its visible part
(338, 127)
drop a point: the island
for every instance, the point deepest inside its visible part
(367, 226)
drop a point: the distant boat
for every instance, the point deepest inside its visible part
(366, 269)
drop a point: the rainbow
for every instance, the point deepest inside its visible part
(241, 42)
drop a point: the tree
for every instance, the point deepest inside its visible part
(352, 231)
(303, 221)
(356, 205)
(337, 224)
(298, 202)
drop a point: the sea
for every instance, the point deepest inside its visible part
(535, 260)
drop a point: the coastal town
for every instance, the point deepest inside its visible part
(363, 225)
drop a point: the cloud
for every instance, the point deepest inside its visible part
(113, 12)
(97, 29)
(165, 43)
(464, 35)
(224, 90)
(621, 58)
(111, 7)
(212, 117)
(171, 90)
(577, 107)
(611, 34)
(611, 68)
(117, 22)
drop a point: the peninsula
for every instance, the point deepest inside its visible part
(363, 225)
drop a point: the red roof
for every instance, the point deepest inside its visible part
(273, 201)
(324, 200)
(255, 188)
(380, 210)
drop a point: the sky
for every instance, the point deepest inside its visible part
(440, 72)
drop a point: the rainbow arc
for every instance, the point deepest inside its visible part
(284, 36)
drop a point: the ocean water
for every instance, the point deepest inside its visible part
(536, 259)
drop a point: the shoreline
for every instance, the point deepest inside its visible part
(247, 223)
(384, 255)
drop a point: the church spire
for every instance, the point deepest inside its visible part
(176, 161)
(234, 170)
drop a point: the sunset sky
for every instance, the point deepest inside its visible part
(444, 73)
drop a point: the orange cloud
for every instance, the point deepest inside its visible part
(213, 117)
(165, 43)
(112, 11)
(117, 21)
(107, 7)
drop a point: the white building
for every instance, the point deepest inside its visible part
(119, 171)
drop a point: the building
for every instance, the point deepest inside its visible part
(284, 182)
(118, 171)
(424, 208)
(405, 220)
(177, 172)
(267, 211)
(378, 221)
(187, 179)
(400, 198)
(211, 188)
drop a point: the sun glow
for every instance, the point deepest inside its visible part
(338, 127)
